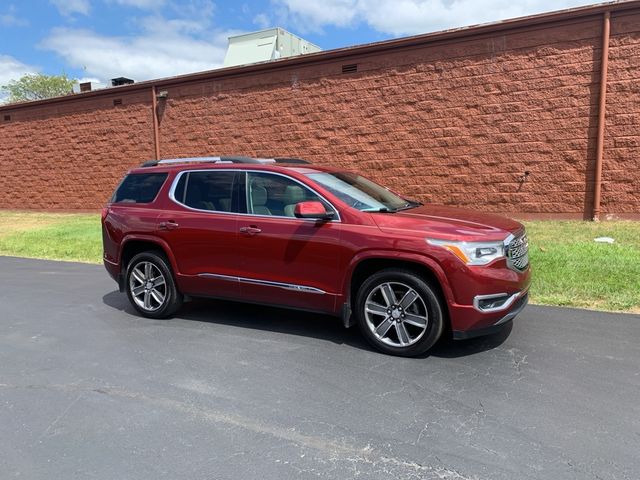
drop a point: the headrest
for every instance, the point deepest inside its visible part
(258, 195)
(293, 194)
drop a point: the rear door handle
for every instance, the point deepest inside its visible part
(251, 230)
(168, 225)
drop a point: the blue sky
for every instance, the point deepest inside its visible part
(144, 39)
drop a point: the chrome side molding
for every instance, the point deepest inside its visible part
(219, 277)
(268, 283)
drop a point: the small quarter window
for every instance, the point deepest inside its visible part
(139, 188)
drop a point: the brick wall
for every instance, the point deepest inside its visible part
(621, 166)
(70, 157)
(455, 122)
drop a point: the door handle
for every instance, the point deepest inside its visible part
(168, 225)
(251, 230)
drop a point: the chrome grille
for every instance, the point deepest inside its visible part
(518, 253)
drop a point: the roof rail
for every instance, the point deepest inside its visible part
(153, 163)
(291, 160)
(246, 160)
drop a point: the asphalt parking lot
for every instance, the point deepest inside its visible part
(231, 391)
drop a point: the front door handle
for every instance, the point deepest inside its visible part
(168, 225)
(250, 230)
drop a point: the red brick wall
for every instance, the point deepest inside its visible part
(70, 157)
(621, 164)
(455, 122)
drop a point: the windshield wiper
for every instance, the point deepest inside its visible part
(380, 210)
(410, 204)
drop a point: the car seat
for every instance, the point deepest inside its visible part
(259, 200)
(293, 195)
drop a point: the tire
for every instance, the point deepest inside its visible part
(150, 286)
(399, 313)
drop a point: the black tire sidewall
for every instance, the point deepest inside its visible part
(432, 303)
(173, 299)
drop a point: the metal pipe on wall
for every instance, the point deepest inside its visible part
(597, 190)
(156, 135)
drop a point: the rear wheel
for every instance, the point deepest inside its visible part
(150, 286)
(399, 313)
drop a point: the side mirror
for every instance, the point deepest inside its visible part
(312, 210)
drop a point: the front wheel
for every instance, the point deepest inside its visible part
(150, 286)
(399, 313)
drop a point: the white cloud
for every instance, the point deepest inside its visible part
(12, 69)
(10, 19)
(408, 17)
(262, 21)
(70, 7)
(163, 48)
(313, 14)
(142, 4)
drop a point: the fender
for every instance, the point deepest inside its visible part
(421, 259)
(152, 239)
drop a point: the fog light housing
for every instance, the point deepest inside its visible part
(493, 303)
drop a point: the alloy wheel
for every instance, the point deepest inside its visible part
(396, 314)
(148, 286)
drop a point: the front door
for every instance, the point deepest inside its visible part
(286, 260)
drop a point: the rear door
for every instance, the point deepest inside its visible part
(200, 224)
(286, 260)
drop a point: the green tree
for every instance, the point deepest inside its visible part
(38, 86)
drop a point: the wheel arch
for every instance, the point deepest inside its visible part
(135, 244)
(365, 265)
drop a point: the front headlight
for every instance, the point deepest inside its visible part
(472, 253)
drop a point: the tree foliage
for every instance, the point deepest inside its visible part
(37, 87)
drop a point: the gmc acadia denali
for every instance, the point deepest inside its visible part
(284, 232)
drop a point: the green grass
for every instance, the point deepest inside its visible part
(55, 236)
(570, 269)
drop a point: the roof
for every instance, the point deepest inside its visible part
(339, 53)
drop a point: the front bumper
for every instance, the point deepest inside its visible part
(507, 315)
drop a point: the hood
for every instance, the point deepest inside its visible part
(439, 221)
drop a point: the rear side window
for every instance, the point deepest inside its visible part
(210, 190)
(139, 188)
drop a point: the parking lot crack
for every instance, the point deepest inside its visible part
(61, 416)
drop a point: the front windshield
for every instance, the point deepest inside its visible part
(361, 193)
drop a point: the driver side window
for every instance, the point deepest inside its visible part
(275, 195)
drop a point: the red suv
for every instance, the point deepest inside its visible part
(284, 232)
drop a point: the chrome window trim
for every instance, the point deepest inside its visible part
(174, 185)
(245, 171)
(267, 283)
